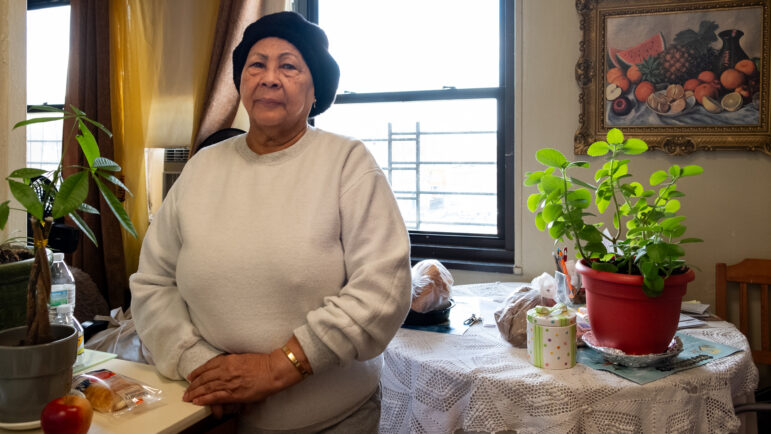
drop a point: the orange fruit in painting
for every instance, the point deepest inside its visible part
(691, 84)
(731, 78)
(613, 73)
(706, 76)
(643, 91)
(621, 82)
(633, 74)
(705, 89)
(746, 66)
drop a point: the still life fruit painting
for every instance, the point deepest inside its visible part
(684, 68)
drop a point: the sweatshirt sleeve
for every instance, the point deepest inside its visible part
(160, 314)
(360, 321)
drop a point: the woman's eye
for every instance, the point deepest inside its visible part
(288, 66)
(257, 65)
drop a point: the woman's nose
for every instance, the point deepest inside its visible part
(270, 78)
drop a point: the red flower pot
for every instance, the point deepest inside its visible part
(623, 317)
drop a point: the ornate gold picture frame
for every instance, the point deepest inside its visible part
(684, 76)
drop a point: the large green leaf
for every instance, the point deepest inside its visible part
(552, 183)
(634, 147)
(539, 222)
(692, 170)
(4, 211)
(87, 208)
(81, 224)
(87, 144)
(581, 183)
(72, 193)
(675, 171)
(116, 207)
(557, 230)
(615, 136)
(671, 223)
(551, 157)
(598, 149)
(27, 197)
(580, 198)
(115, 181)
(604, 266)
(35, 121)
(672, 206)
(532, 178)
(584, 164)
(658, 177)
(27, 173)
(533, 200)
(106, 164)
(551, 212)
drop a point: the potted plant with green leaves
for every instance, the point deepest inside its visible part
(633, 270)
(36, 359)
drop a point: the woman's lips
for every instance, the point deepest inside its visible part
(269, 101)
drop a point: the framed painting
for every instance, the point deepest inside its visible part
(684, 76)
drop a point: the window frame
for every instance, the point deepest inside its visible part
(476, 252)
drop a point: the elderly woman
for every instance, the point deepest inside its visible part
(277, 269)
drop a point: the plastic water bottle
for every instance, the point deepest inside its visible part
(64, 316)
(62, 285)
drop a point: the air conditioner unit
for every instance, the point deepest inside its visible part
(174, 160)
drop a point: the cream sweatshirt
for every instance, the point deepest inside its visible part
(249, 249)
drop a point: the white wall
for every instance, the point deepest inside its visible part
(729, 206)
(13, 91)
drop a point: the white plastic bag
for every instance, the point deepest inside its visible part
(120, 337)
(431, 285)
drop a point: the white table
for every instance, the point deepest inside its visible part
(440, 383)
(172, 415)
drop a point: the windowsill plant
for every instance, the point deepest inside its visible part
(645, 233)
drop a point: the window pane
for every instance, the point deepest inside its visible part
(400, 45)
(48, 48)
(44, 143)
(439, 156)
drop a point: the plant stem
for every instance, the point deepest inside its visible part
(39, 286)
(567, 210)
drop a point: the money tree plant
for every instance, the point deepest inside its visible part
(646, 234)
(62, 196)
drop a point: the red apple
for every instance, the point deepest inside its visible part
(69, 414)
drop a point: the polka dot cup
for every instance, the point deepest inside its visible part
(551, 337)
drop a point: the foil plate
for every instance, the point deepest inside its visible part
(618, 357)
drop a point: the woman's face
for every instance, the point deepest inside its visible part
(276, 85)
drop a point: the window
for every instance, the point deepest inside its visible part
(48, 44)
(428, 86)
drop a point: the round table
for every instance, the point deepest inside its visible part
(440, 383)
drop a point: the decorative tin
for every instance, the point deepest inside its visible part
(551, 337)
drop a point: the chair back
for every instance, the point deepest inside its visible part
(750, 275)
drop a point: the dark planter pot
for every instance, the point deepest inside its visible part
(31, 376)
(623, 317)
(13, 293)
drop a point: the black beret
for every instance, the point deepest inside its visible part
(309, 39)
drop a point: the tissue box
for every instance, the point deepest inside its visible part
(551, 337)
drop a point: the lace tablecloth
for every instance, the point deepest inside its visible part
(440, 383)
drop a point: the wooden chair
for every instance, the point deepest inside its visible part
(755, 273)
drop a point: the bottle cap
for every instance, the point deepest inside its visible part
(58, 256)
(64, 309)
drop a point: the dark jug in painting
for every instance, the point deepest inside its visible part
(731, 52)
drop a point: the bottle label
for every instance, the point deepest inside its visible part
(81, 348)
(60, 293)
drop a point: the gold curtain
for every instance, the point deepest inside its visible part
(159, 55)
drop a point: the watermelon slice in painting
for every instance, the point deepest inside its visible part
(637, 54)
